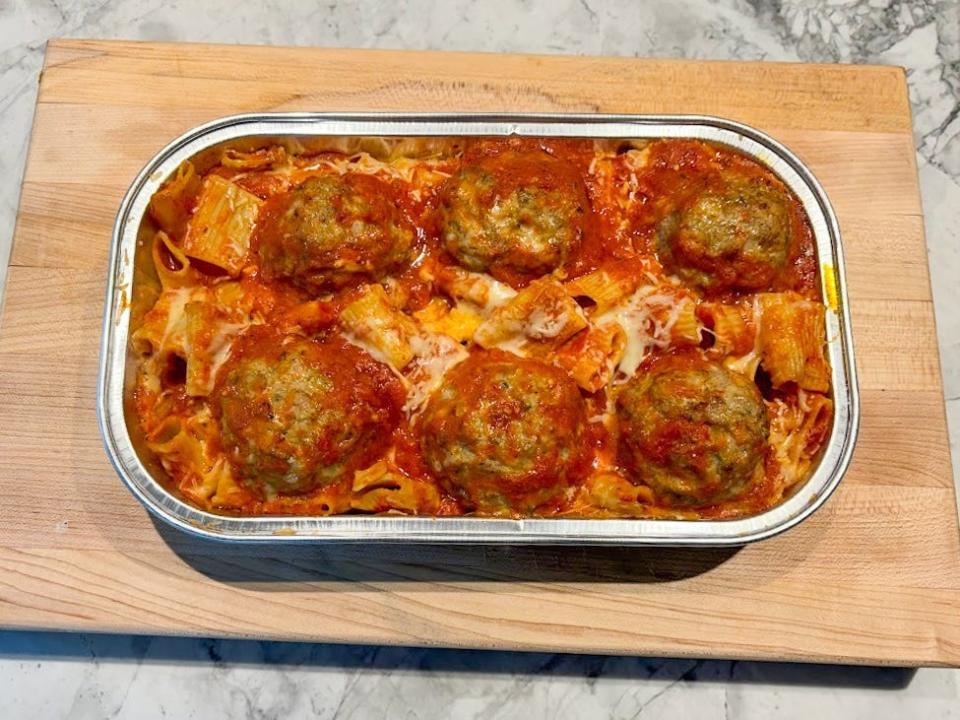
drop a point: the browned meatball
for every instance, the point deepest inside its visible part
(297, 414)
(504, 433)
(515, 215)
(733, 238)
(331, 229)
(692, 430)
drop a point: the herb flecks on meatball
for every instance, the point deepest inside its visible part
(691, 429)
(733, 238)
(297, 414)
(332, 229)
(515, 215)
(504, 433)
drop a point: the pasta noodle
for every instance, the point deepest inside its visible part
(592, 357)
(170, 206)
(382, 489)
(649, 319)
(481, 290)
(542, 311)
(219, 231)
(375, 324)
(459, 322)
(604, 287)
(792, 336)
(686, 326)
(732, 327)
(171, 263)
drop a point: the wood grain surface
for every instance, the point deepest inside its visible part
(873, 577)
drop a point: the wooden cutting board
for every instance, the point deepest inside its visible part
(873, 577)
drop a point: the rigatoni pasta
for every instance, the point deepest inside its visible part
(542, 311)
(791, 341)
(221, 225)
(372, 321)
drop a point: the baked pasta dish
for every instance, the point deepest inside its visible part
(480, 326)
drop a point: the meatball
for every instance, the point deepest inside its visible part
(734, 238)
(297, 414)
(331, 229)
(692, 430)
(515, 215)
(503, 433)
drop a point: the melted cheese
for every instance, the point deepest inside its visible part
(786, 442)
(480, 289)
(643, 329)
(548, 323)
(221, 346)
(515, 344)
(177, 301)
(434, 356)
(497, 294)
(375, 352)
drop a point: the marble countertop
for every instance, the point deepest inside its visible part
(49, 675)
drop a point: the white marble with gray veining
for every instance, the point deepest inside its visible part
(49, 675)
